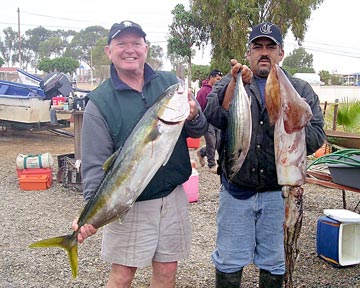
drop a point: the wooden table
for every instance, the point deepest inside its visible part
(325, 179)
(78, 120)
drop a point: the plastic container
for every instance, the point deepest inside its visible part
(34, 182)
(338, 242)
(35, 171)
(191, 187)
(346, 174)
(58, 100)
(193, 142)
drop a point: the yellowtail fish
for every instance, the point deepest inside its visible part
(129, 170)
(290, 114)
(239, 128)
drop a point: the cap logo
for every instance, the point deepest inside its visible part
(266, 28)
(127, 24)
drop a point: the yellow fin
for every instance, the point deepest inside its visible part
(68, 243)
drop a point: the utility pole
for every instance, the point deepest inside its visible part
(19, 37)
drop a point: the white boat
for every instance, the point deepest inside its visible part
(28, 78)
(25, 106)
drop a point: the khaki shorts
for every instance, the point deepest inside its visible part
(153, 230)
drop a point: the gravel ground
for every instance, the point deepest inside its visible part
(27, 216)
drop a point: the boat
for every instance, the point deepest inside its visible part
(343, 139)
(28, 78)
(24, 106)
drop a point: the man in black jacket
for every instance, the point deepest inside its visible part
(251, 209)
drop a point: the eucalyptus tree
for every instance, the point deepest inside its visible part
(34, 39)
(155, 55)
(186, 31)
(229, 22)
(82, 45)
(8, 45)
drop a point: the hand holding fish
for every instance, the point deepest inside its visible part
(236, 67)
(86, 230)
(246, 74)
(194, 110)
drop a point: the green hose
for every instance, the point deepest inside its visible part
(343, 156)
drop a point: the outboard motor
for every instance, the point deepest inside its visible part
(55, 84)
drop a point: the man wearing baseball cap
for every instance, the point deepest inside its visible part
(251, 208)
(157, 230)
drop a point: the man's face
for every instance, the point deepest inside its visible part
(214, 79)
(263, 53)
(128, 52)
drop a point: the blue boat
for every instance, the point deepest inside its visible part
(14, 89)
(24, 106)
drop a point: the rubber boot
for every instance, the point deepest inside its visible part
(268, 280)
(227, 280)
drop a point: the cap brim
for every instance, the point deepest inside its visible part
(265, 36)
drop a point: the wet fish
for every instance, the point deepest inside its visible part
(239, 128)
(129, 170)
(290, 114)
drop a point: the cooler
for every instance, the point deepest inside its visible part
(193, 142)
(191, 187)
(34, 182)
(338, 237)
(35, 171)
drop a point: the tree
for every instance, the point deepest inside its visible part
(325, 77)
(52, 46)
(34, 38)
(81, 46)
(186, 31)
(155, 55)
(8, 46)
(200, 72)
(299, 61)
(229, 22)
(61, 64)
(1, 62)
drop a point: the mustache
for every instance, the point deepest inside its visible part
(264, 58)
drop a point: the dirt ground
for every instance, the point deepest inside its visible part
(27, 216)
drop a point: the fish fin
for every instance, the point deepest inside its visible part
(108, 163)
(68, 243)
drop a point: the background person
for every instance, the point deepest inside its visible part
(156, 231)
(251, 208)
(212, 136)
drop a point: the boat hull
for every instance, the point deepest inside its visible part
(27, 110)
(344, 139)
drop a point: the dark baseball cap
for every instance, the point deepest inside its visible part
(117, 28)
(215, 72)
(267, 30)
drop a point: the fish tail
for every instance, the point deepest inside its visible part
(68, 243)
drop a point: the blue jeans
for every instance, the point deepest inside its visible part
(249, 231)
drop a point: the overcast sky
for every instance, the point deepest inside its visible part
(333, 35)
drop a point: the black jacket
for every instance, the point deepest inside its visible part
(258, 172)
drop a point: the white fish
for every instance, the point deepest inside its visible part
(238, 129)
